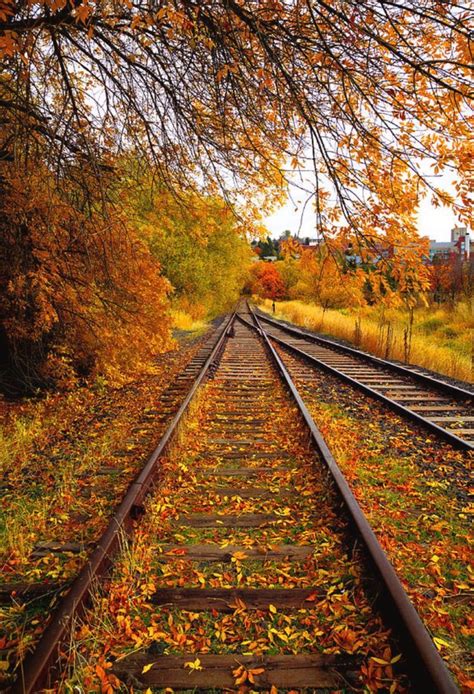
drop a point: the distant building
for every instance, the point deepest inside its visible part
(460, 245)
(311, 243)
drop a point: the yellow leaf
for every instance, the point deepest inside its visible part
(240, 604)
(272, 609)
(146, 668)
(239, 555)
(379, 661)
(439, 643)
(395, 659)
(194, 665)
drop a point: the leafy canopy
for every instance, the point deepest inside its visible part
(201, 248)
(224, 93)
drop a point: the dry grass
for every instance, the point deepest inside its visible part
(184, 321)
(442, 338)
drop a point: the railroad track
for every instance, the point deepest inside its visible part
(255, 498)
(161, 415)
(31, 595)
(444, 409)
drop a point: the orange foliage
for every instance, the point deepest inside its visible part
(80, 293)
(322, 278)
(266, 281)
(451, 277)
(394, 84)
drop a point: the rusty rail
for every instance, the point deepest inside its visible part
(426, 379)
(427, 666)
(454, 391)
(39, 665)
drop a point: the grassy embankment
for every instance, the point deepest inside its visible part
(441, 340)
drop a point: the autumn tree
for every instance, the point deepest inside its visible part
(227, 92)
(266, 281)
(451, 277)
(201, 248)
(323, 280)
(290, 267)
(79, 292)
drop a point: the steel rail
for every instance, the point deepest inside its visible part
(454, 440)
(449, 388)
(36, 668)
(427, 665)
(446, 434)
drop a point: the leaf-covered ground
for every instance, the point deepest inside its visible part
(67, 461)
(417, 494)
(339, 617)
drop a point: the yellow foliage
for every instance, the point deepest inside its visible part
(184, 321)
(200, 245)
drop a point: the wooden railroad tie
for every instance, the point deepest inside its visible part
(317, 671)
(214, 520)
(225, 554)
(231, 599)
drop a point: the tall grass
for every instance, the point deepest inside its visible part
(184, 321)
(441, 341)
(16, 440)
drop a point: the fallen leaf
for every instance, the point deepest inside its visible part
(193, 665)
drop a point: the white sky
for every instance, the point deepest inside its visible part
(435, 222)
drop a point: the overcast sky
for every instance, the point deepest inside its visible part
(434, 222)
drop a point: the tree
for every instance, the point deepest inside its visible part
(323, 280)
(200, 247)
(78, 293)
(451, 277)
(289, 267)
(227, 92)
(266, 281)
(267, 247)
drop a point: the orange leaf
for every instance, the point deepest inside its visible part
(242, 678)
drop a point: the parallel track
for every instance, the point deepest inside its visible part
(245, 368)
(444, 409)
